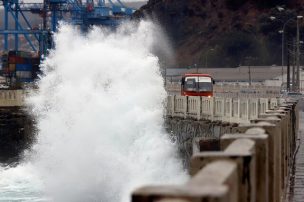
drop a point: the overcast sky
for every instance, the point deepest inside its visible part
(31, 1)
(40, 1)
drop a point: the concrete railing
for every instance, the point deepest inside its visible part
(220, 176)
(255, 91)
(231, 91)
(11, 98)
(253, 164)
(236, 110)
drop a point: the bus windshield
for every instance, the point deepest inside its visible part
(198, 84)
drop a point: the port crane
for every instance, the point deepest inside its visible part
(76, 12)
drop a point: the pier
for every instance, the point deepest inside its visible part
(101, 100)
(16, 125)
(237, 149)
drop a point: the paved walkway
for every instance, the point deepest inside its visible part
(297, 179)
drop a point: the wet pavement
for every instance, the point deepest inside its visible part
(296, 192)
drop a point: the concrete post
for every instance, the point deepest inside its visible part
(218, 173)
(288, 107)
(200, 144)
(282, 122)
(261, 141)
(217, 182)
(248, 109)
(274, 157)
(207, 193)
(231, 109)
(185, 106)
(212, 104)
(242, 152)
(199, 108)
(173, 200)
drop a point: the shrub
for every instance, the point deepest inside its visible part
(235, 4)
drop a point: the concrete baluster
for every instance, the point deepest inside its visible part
(261, 140)
(216, 182)
(212, 110)
(236, 110)
(170, 105)
(241, 151)
(281, 119)
(274, 134)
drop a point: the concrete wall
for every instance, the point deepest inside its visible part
(16, 131)
(253, 162)
(16, 126)
(232, 110)
(234, 90)
(12, 98)
(188, 132)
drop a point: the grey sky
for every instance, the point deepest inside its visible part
(36, 1)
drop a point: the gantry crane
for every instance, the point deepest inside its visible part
(51, 12)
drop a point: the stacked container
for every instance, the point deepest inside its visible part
(5, 65)
(21, 66)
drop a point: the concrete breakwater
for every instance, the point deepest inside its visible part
(16, 132)
(253, 162)
(16, 126)
(228, 162)
(187, 133)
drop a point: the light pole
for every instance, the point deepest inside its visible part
(206, 62)
(282, 31)
(249, 74)
(282, 62)
(165, 76)
(195, 66)
(249, 60)
(298, 52)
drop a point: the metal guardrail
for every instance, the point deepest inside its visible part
(235, 110)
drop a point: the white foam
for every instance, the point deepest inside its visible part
(99, 112)
(20, 183)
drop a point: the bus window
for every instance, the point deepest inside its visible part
(197, 85)
(190, 84)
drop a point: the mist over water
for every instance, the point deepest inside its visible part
(99, 111)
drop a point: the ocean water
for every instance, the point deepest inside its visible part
(99, 113)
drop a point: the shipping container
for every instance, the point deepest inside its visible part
(16, 60)
(12, 67)
(23, 54)
(4, 64)
(4, 59)
(24, 67)
(35, 61)
(24, 74)
(5, 70)
(20, 67)
(25, 80)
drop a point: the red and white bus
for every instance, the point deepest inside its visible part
(197, 85)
